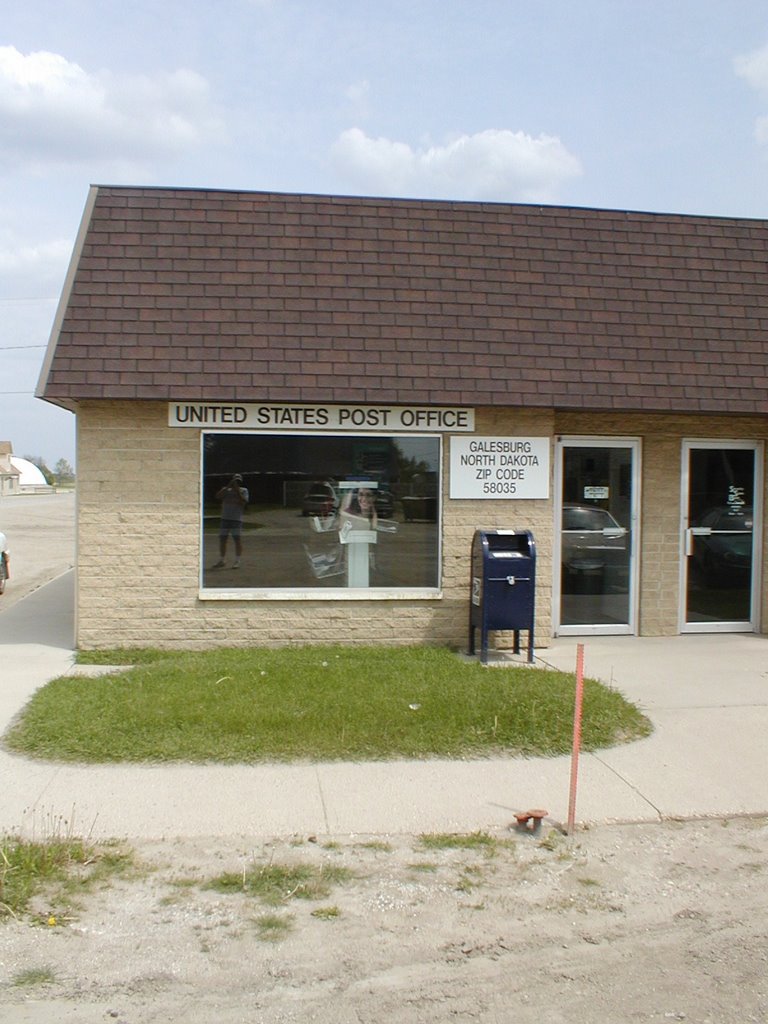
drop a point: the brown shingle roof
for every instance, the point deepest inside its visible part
(222, 296)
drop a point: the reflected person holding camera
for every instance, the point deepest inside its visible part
(233, 497)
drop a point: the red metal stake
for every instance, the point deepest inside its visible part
(576, 736)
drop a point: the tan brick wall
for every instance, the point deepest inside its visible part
(139, 538)
(138, 549)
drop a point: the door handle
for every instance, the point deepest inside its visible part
(695, 531)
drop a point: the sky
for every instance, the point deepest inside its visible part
(653, 105)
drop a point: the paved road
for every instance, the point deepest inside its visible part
(41, 537)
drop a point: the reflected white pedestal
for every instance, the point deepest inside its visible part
(358, 554)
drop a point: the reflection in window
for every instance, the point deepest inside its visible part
(320, 512)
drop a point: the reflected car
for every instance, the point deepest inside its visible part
(385, 504)
(727, 551)
(422, 507)
(320, 500)
(592, 541)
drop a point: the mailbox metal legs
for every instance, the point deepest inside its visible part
(484, 630)
(530, 644)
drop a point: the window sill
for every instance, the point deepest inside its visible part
(320, 594)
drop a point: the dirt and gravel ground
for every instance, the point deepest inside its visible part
(621, 923)
(639, 923)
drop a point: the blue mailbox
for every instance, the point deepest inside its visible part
(503, 586)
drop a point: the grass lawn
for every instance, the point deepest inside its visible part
(313, 703)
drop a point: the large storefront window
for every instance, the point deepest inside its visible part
(298, 512)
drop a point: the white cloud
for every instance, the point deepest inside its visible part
(54, 111)
(29, 268)
(34, 257)
(358, 92)
(753, 68)
(493, 164)
(357, 95)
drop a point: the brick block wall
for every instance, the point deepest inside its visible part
(139, 547)
(139, 538)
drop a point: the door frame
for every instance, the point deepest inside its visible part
(753, 626)
(590, 441)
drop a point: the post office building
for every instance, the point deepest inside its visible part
(294, 413)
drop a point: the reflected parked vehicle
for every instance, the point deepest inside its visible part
(593, 544)
(320, 500)
(726, 552)
(421, 507)
(385, 504)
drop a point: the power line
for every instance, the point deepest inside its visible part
(14, 348)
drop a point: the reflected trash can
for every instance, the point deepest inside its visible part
(502, 587)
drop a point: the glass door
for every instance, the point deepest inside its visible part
(720, 483)
(595, 567)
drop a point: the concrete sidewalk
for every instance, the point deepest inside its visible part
(706, 694)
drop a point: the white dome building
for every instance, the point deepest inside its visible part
(30, 477)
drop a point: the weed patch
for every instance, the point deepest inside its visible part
(31, 976)
(273, 927)
(377, 845)
(480, 841)
(274, 884)
(59, 868)
(326, 913)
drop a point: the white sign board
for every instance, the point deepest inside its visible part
(500, 467)
(329, 418)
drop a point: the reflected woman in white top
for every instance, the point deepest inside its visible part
(360, 505)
